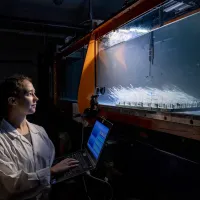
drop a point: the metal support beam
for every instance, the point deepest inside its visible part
(91, 14)
(30, 33)
(39, 23)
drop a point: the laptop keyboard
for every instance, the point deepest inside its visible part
(84, 164)
(82, 161)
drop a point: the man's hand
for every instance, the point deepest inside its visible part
(64, 165)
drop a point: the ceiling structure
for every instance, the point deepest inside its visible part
(45, 17)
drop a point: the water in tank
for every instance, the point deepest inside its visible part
(153, 61)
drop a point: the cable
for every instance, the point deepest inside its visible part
(82, 128)
(168, 153)
(85, 187)
(102, 181)
(82, 133)
(89, 20)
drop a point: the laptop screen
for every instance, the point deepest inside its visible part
(97, 138)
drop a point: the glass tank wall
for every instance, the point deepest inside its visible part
(70, 74)
(153, 62)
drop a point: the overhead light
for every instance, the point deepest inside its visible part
(173, 7)
(169, 3)
(184, 7)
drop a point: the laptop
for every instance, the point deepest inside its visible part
(89, 156)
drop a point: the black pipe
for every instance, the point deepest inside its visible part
(53, 25)
(91, 13)
(43, 24)
(31, 33)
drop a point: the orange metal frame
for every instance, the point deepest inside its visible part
(87, 82)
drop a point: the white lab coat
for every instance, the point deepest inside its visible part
(24, 166)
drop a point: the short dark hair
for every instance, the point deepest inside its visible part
(10, 87)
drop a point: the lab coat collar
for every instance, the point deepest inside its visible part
(13, 131)
(32, 128)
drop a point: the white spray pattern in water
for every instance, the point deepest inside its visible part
(149, 97)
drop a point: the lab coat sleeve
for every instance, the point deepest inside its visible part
(16, 181)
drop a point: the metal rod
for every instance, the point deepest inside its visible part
(41, 24)
(91, 13)
(33, 33)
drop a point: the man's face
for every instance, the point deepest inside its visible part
(27, 100)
